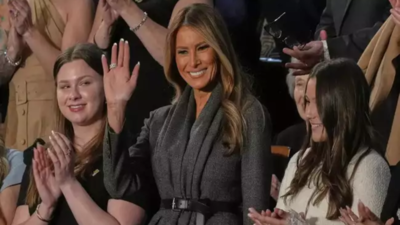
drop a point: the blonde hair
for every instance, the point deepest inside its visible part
(209, 23)
(4, 165)
(91, 54)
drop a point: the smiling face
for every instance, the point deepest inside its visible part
(317, 128)
(80, 93)
(195, 59)
(298, 94)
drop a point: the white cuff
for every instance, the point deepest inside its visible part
(326, 50)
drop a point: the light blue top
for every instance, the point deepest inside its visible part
(17, 167)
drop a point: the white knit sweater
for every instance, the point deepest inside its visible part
(370, 183)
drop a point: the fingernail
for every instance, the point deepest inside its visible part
(122, 40)
(138, 63)
(103, 56)
(50, 138)
(347, 207)
(52, 132)
(115, 44)
(126, 42)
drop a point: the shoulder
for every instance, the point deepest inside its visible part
(256, 114)
(161, 113)
(17, 168)
(15, 157)
(371, 165)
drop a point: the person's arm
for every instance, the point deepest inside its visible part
(354, 44)
(256, 161)
(86, 211)
(8, 203)
(370, 183)
(152, 35)
(22, 216)
(77, 29)
(326, 23)
(15, 45)
(122, 166)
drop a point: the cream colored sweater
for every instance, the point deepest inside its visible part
(370, 183)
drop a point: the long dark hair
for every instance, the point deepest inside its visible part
(342, 97)
(91, 54)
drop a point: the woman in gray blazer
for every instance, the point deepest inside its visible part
(208, 152)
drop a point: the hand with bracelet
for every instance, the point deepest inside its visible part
(46, 184)
(109, 16)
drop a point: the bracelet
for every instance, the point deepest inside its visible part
(40, 217)
(15, 64)
(134, 29)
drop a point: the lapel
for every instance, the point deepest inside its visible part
(339, 10)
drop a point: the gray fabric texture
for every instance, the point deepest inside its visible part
(188, 161)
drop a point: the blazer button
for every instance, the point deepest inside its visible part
(23, 141)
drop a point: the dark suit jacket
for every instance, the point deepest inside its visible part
(392, 202)
(351, 24)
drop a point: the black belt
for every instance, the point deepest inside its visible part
(205, 207)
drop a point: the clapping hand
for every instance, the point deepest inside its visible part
(119, 5)
(278, 217)
(366, 217)
(109, 14)
(21, 16)
(308, 56)
(63, 157)
(45, 181)
(275, 186)
(395, 11)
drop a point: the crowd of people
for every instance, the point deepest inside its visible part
(126, 112)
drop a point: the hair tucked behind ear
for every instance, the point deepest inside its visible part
(209, 23)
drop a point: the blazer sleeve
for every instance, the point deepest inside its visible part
(256, 161)
(370, 182)
(326, 23)
(392, 201)
(354, 44)
(127, 170)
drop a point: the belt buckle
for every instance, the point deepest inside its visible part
(179, 205)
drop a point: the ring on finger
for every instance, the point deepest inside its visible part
(113, 65)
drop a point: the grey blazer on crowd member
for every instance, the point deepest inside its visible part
(188, 160)
(351, 24)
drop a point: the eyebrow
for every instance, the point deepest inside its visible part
(78, 79)
(197, 45)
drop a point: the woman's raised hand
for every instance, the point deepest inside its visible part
(21, 16)
(119, 83)
(395, 11)
(109, 14)
(46, 184)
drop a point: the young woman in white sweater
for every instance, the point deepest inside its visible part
(340, 168)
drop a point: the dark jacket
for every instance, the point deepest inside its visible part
(351, 24)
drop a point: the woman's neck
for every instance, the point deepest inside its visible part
(201, 99)
(84, 134)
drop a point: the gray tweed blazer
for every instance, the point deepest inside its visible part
(186, 157)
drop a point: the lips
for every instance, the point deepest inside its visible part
(76, 108)
(197, 73)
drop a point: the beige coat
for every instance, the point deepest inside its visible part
(31, 107)
(376, 62)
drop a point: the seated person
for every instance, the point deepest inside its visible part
(339, 168)
(11, 170)
(64, 184)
